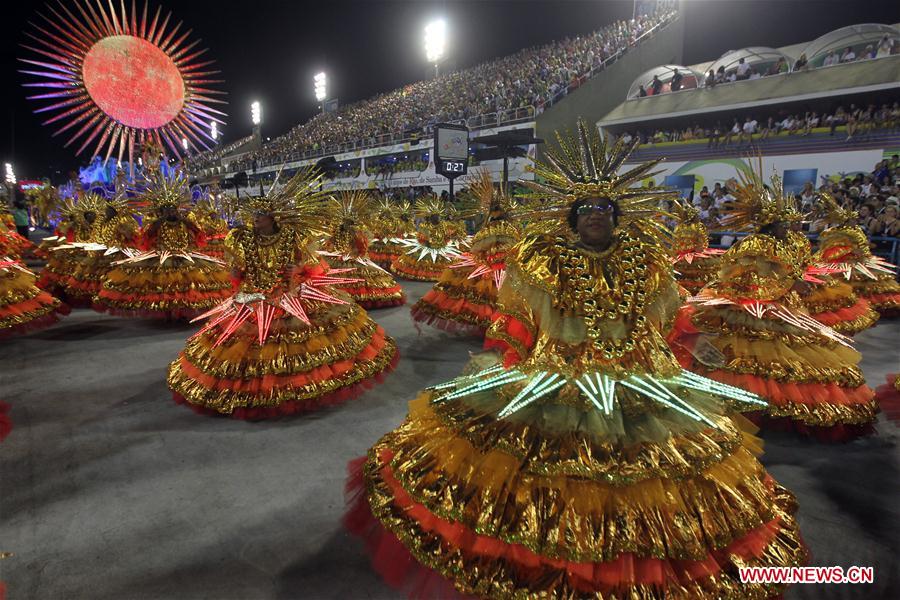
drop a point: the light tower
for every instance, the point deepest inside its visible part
(320, 82)
(256, 119)
(435, 42)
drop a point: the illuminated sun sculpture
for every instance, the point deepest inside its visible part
(116, 79)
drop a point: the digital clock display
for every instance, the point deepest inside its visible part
(454, 166)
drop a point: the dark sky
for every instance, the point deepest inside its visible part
(269, 51)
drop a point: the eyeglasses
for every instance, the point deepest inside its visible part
(586, 209)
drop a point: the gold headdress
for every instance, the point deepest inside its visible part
(431, 205)
(585, 166)
(827, 206)
(756, 203)
(165, 192)
(350, 207)
(299, 202)
(684, 212)
(492, 202)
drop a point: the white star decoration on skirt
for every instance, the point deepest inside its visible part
(235, 311)
(449, 251)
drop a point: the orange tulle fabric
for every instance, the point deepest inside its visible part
(833, 317)
(267, 383)
(627, 569)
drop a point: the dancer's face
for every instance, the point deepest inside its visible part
(263, 223)
(596, 220)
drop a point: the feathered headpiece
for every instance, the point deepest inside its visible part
(165, 192)
(585, 166)
(827, 206)
(757, 203)
(299, 202)
(491, 201)
(350, 207)
(431, 205)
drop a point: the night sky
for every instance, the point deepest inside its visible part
(269, 51)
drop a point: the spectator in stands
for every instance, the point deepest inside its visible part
(747, 130)
(831, 59)
(642, 93)
(802, 64)
(769, 129)
(677, 78)
(720, 74)
(838, 118)
(754, 74)
(735, 131)
(807, 196)
(778, 67)
(626, 138)
(849, 55)
(810, 122)
(885, 47)
(656, 86)
(868, 53)
(888, 225)
(714, 136)
(866, 218)
(743, 69)
(710, 80)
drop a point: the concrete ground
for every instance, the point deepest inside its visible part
(110, 490)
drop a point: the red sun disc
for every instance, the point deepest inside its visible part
(133, 81)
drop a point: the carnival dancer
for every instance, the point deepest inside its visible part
(288, 341)
(168, 277)
(12, 244)
(67, 250)
(832, 301)
(694, 261)
(391, 223)
(464, 300)
(588, 464)
(347, 250)
(207, 213)
(435, 245)
(113, 235)
(23, 306)
(748, 328)
(846, 249)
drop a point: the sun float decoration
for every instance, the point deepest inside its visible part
(116, 79)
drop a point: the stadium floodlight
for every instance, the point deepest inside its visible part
(435, 41)
(214, 130)
(10, 174)
(321, 86)
(256, 113)
(184, 143)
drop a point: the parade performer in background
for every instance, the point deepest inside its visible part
(11, 243)
(588, 464)
(694, 261)
(831, 300)
(434, 246)
(207, 213)
(67, 251)
(168, 277)
(464, 300)
(346, 250)
(113, 235)
(288, 341)
(23, 306)
(845, 248)
(391, 223)
(748, 328)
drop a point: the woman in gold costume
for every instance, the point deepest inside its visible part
(845, 248)
(831, 300)
(23, 306)
(287, 341)
(464, 300)
(749, 328)
(391, 223)
(207, 213)
(346, 250)
(77, 216)
(435, 245)
(694, 261)
(168, 278)
(587, 464)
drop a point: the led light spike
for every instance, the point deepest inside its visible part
(590, 395)
(487, 384)
(467, 378)
(590, 382)
(511, 409)
(607, 387)
(660, 387)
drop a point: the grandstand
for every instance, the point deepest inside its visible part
(385, 141)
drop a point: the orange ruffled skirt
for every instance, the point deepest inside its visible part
(459, 304)
(23, 306)
(836, 305)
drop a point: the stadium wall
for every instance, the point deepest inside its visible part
(606, 90)
(794, 169)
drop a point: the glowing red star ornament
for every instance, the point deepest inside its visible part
(116, 79)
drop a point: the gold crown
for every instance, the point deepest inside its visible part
(827, 206)
(298, 202)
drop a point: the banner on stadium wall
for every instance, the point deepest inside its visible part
(795, 169)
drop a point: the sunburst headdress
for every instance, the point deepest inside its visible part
(585, 166)
(350, 207)
(299, 202)
(684, 212)
(431, 205)
(827, 206)
(758, 203)
(164, 192)
(491, 201)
